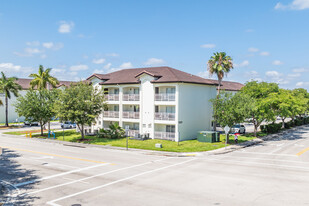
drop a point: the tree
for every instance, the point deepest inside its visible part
(8, 86)
(80, 103)
(260, 94)
(301, 105)
(232, 109)
(219, 64)
(42, 79)
(37, 106)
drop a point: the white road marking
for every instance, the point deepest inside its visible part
(10, 191)
(256, 158)
(114, 182)
(65, 178)
(263, 153)
(286, 145)
(60, 174)
(101, 174)
(246, 163)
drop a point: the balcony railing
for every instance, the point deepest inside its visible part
(130, 115)
(165, 97)
(111, 114)
(164, 116)
(165, 135)
(133, 133)
(112, 97)
(131, 97)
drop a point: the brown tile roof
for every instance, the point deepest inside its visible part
(231, 86)
(25, 83)
(164, 74)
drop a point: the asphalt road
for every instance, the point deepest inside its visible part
(274, 172)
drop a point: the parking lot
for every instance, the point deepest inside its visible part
(273, 172)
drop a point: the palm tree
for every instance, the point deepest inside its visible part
(219, 64)
(8, 86)
(43, 79)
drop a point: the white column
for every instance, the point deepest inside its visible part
(120, 105)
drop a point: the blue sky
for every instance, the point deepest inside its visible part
(267, 39)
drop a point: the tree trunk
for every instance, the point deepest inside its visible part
(215, 107)
(82, 132)
(48, 126)
(6, 111)
(255, 129)
(283, 123)
(41, 128)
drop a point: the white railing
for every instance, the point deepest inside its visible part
(130, 115)
(133, 133)
(165, 135)
(111, 114)
(112, 97)
(164, 97)
(131, 97)
(164, 116)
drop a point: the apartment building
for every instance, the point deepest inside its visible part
(161, 102)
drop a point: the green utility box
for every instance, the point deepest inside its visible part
(208, 136)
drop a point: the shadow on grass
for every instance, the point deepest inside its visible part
(12, 172)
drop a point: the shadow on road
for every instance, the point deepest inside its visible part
(12, 172)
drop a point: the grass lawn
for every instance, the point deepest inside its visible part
(170, 146)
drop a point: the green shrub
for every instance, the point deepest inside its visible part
(114, 132)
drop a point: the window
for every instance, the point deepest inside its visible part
(135, 126)
(116, 107)
(136, 91)
(144, 125)
(157, 90)
(156, 108)
(136, 108)
(170, 128)
(105, 90)
(170, 109)
(116, 91)
(170, 90)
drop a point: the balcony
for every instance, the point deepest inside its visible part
(165, 135)
(130, 115)
(111, 114)
(130, 97)
(165, 97)
(133, 133)
(165, 116)
(112, 97)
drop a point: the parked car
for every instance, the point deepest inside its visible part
(68, 125)
(238, 128)
(30, 123)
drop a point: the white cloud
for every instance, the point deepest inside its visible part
(107, 66)
(242, 64)
(112, 55)
(66, 26)
(33, 43)
(300, 70)
(277, 62)
(51, 45)
(98, 61)
(264, 53)
(79, 67)
(295, 75)
(252, 74)
(294, 5)
(154, 61)
(302, 84)
(126, 65)
(208, 46)
(252, 49)
(9, 67)
(98, 71)
(273, 74)
(203, 74)
(28, 52)
(43, 56)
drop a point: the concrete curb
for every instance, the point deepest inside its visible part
(228, 149)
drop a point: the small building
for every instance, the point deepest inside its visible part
(161, 102)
